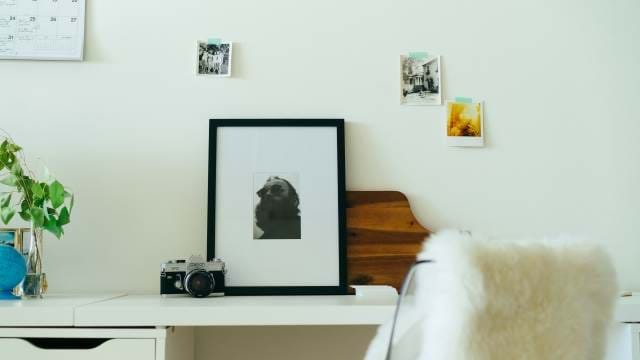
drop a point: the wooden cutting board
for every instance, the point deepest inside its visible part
(383, 237)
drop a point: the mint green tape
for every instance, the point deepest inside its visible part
(213, 41)
(465, 100)
(419, 55)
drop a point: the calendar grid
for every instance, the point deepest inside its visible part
(42, 29)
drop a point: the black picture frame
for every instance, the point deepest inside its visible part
(214, 125)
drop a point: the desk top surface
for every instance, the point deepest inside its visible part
(53, 310)
(111, 310)
(155, 310)
(628, 308)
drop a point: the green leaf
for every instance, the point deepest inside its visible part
(11, 159)
(64, 218)
(52, 226)
(16, 169)
(38, 203)
(73, 198)
(37, 190)
(24, 205)
(37, 215)
(25, 183)
(8, 159)
(6, 213)
(11, 147)
(25, 215)
(10, 180)
(4, 159)
(5, 199)
(56, 194)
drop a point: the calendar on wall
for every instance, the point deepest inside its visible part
(42, 29)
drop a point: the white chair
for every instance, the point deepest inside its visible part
(483, 299)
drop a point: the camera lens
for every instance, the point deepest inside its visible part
(199, 283)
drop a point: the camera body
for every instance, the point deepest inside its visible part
(195, 277)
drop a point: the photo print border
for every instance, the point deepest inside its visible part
(213, 60)
(277, 203)
(417, 82)
(464, 139)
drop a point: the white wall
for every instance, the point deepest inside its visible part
(127, 128)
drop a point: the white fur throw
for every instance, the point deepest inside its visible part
(486, 299)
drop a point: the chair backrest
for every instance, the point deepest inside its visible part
(535, 299)
(485, 299)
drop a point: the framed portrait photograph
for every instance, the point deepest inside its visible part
(464, 124)
(214, 59)
(420, 82)
(276, 205)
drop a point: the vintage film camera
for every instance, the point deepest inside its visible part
(194, 277)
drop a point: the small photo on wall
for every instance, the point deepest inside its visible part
(420, 79)
(214, 59)
(465, 124)
(276, 206)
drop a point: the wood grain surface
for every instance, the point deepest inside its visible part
(383, 237)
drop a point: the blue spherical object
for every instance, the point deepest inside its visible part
(13, 268)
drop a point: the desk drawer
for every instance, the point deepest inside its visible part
(77, 349)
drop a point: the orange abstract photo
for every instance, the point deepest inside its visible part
(465, 124)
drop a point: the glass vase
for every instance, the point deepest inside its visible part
(34, 283)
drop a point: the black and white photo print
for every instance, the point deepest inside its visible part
(276, 206)
(420, 80)
(214, 59)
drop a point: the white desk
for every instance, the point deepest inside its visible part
(154, 310)
(628, 308)
(137, 326)
(54, 310)
(148, 316)
(628, 335)
(118, 310)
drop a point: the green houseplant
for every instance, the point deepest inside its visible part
(45, 203)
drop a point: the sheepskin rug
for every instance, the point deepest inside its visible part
(485, 299)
